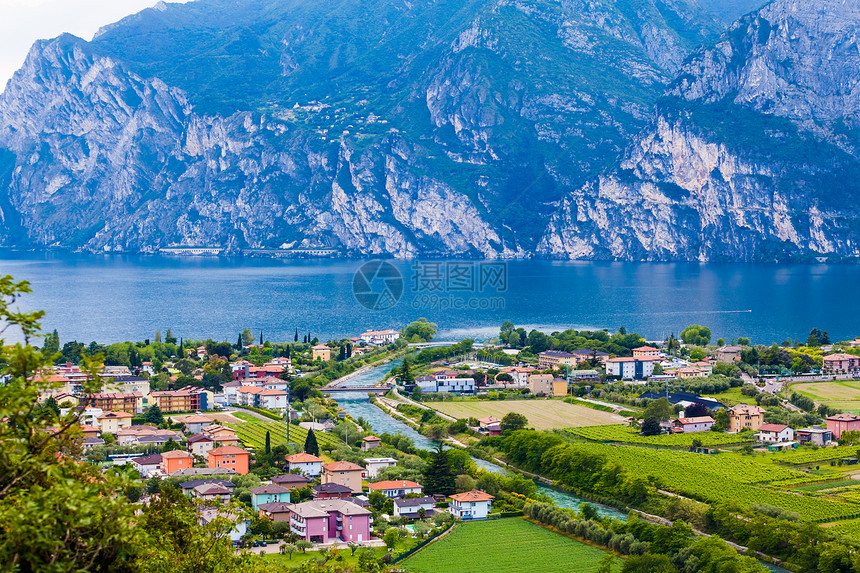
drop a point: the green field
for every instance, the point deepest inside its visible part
(626, 434)
(541, 414)
(843, 395)
(252, 432)
(503, 546)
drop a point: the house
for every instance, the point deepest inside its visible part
(446, 382)
(690, 372)
(554, 359)
(88, 431)
(307, 464)
(815, 435)
(343, 473)
(475, 504)
(230, 391)
(519, 374)
(584, 354)
(131, 402)
(198, 472)
(194, 424)
(374, 465)
(189, 486)
(92, 442)
(273, 399)
(729, 354)
(187, 399)
(269, 494)
(239, 530)
(200, 444)
(128, 384)
(631, 368)
(645, 351)
(145, 434)
(490, 426)
(775, 433)
(247, 395)
(396, 488)
(176, 460)
(212, 492)
(370, 443)
(547, 384)
(843, 423)
(696, 424)
(322, 521)
(229, 457)
(291, 481)
(331, 491)
(221, 435)
(380, 337)
(409, 508)
(841, 363)
(276, 511)
(147, 465)
(321, 352)
(744, 417)
(584, 376)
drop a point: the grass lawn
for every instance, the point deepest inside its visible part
(226, 417)
(844, 395)
(502, 546)
(344, 558)
(542, 414)
(733, 396)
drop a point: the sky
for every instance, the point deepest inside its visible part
(22, 22)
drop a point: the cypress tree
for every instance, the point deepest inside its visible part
(439, 477)
(296, 339)
(239, 342)
(181, 349)
(309, 337)
(311, 446)
(268, 443)
(261, 338)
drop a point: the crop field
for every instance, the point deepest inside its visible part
(808, 455)
(626, 434)
(733, 396)
(252, 432)
(504, 545)
(844, 395)
(542, 414)
(725, 477)
(848, 528)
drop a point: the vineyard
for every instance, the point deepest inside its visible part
(810, 456)
(849, 528)
(628, 435)
(252, 432)
(725, 477)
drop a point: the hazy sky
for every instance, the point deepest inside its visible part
(24, 21)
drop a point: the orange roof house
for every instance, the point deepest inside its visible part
(343, 473)
(176, 460)
(230, 457)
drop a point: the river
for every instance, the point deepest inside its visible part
(111, 298)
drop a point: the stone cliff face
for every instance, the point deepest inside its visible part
(468, 128)
(752, 156)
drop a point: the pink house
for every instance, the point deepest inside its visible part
(321, 521)
(843, 423)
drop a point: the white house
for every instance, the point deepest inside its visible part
(380, 337)
(775, 433)
(238, 531)
(696, 424)
(443, 383)
(147, 465)
(275, 399)
(631, 368)
(409, 507)
(230, 391)
(307, 464)
(396, 488)
(475, 504)
(373, 465)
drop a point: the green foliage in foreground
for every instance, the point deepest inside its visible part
(508, 545)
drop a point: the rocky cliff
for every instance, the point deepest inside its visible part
(751, 156)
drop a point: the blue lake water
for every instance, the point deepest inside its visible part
(112, 298)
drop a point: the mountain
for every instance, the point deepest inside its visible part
(752, 154)
(373, 126)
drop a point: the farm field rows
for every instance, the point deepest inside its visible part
(724, 477)
(508, 545)
(542, 414)
(808, 455)
(252, 432)
(621, 433)
(843, 395)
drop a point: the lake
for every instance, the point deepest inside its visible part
(111, 298)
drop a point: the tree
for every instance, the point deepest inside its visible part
(506, 329)
(169, 338)
(52, 344)
(514, 340)
(391, 538)
(696, 410)
(352, 544)
(743, 341)
(404, 373)
(419, 331)
(721, 342)
(512, 421)
(268, 448)
(651, 427)
(697, 354)
(721, 420)
(606, 564)
(438, 476)
(660, 409)
(304, 545)
(311, 446)
(300, 389)
(153, 415)
(696, 334)
(296, 338)
(158, 336)
(261, 338)
(648, 563)
(818, 338)
(289, 549)
(416, 394)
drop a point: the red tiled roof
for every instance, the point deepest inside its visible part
(303, 458)
(394, 484)
(772, 428)
(223, 450)
(474, 495)
(343, 466)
